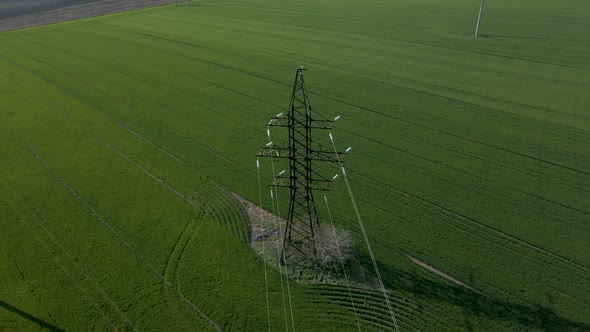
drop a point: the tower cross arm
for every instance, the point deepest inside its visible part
(328, 156)
(273, 151)
(321, 124)
(276, 121)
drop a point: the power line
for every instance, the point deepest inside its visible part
(278, 215)
(358, 216)
(479, 18)
(342, 263)
(263, 244)
(280, 268)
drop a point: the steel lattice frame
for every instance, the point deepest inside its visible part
(302, 220)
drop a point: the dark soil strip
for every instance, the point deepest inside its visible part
(20, 14)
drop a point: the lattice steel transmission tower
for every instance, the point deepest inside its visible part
(302, 222)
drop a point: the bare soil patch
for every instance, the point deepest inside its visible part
(266, 240)
(441, 273)
(20, 14)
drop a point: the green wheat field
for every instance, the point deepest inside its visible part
(122, 138)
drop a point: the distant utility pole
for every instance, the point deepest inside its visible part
(479, 18)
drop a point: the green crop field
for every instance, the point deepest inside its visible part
(122, 138)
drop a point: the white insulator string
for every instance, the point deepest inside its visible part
(342, 263)
(366, 238)
(263, 244)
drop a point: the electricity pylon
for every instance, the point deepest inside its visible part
(302, 221)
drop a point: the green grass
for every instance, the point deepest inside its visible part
(121, 135)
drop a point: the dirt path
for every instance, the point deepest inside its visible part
(20, 14)
(441, 273)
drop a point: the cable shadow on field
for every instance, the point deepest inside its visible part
(30, 317)
(477, 304)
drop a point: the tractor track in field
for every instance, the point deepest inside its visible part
(149, 142)
(357, 106)
(169, 91)
(398, 118)
(173, 262)
(526, 193)
(196, 142)
(491, 114)
(479, 177)
(392, 116)
(145, 171)
(523, 192)
(227, 88)
(172, 69)
(168, 39)
(389, 146)
(141, 168)
(474, 141)
(211, 151)
(494, 241)
(490, 54)
(469, 221)
(441, 273)
(206, 148)
(135, 252)
(457, 136)
(469, 93)
(482, 179)
(111, 147)
(371, 308)
(229, 220)
(354, 105)
(83, 270)
(448, 219)
(234, 212)
(535, 174)
(434, 116)
(359, 301)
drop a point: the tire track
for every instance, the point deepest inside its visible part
(383, 114)
(220, 214)
(482, 179)
(149, 142)
(125, 74)
(145, 171)
(173, 259)
(455, 135)
(470, 221)
(112, 148)
(534, 174)
(82, 267)
(133, 250)
(489, 54)
(335, 99)
(475, 231)
(206, 148)
(363, 108)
